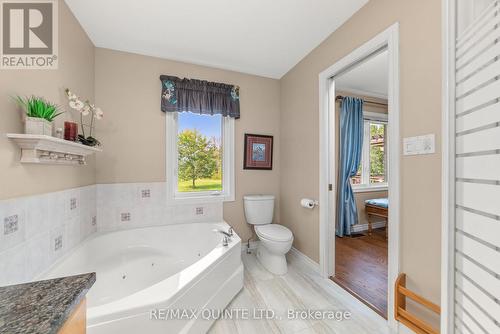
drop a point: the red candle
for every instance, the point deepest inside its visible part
(70, 131)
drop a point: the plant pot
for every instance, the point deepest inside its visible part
(37, 126)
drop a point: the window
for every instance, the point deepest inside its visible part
(372, 172)
(200, 161)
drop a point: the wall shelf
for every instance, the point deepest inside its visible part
(39, 149)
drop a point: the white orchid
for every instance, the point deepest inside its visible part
(99, 114)
(77, 105)
(85, 109)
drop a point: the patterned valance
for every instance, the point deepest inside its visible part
(199, 96)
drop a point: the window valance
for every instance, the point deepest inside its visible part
(199, 96)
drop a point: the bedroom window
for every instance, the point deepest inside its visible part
(200, 161)
(372, 172)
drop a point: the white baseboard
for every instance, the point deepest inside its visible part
(363, 227)
(297, 256)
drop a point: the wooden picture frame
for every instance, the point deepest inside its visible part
(258, 153)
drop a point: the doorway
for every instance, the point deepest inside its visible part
(332, 89)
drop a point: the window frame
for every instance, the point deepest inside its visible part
(176, 197)
(365, 185)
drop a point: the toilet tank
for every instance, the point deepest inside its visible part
(259, 209)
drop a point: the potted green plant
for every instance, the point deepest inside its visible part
(39, 114)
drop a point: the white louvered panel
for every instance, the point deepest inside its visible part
(461, 329)
(479, 226)
(476, 285)
(484, 116)
(482, 197)
(477, 274)
(485, 140)
(487, 15)
(481, 60)
(486, 167)
(484, 255)
(468, 320)
(479, 78)
(486, 301)
(479, 47)
(485, 27)
(476, 312)
(479, 97)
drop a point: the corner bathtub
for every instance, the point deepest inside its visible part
(169, 267)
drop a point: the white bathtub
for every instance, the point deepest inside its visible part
(172, 267)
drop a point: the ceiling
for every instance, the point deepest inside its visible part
(370, 78)
(260, 37)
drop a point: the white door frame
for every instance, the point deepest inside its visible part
(390, 39)
(448, 169)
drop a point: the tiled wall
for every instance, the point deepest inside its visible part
(35, 231)
(129, 205)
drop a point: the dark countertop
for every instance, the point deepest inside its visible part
(42, 307)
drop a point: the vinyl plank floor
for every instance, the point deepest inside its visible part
(361, 268)
(300, 289)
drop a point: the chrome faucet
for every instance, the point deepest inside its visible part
(226, 235)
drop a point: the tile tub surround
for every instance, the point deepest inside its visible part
(302, 288)
(37, 230)
(42, 307)
(132, 205)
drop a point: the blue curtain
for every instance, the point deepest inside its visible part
(351, 146)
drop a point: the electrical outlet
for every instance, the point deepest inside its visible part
(199, 210)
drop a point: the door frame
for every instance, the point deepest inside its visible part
(389, 38)
(448, 168)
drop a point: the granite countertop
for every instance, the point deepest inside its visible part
(42, 307)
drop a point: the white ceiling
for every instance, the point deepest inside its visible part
(263, 37)
(370, 78)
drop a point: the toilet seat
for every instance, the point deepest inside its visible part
(273, 232)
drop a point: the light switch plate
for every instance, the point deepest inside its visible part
(419, 145)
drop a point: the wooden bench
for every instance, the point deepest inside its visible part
(376, 211)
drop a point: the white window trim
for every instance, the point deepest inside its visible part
(365, 185)
(227, 193)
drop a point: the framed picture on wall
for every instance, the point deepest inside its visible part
(258, 152)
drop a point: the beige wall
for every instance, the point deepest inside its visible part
(420, 98)
(76, 70)
(133, 131)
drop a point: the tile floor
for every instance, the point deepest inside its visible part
(300, 289)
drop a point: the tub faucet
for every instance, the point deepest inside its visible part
(226, 236)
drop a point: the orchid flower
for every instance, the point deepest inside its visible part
(85, 109)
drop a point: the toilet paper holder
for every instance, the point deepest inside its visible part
(308, 203)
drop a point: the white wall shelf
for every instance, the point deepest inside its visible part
(39, 149)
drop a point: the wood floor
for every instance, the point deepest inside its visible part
(361, 268)
(301, 289)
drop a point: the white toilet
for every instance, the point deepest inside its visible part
(275, 240)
